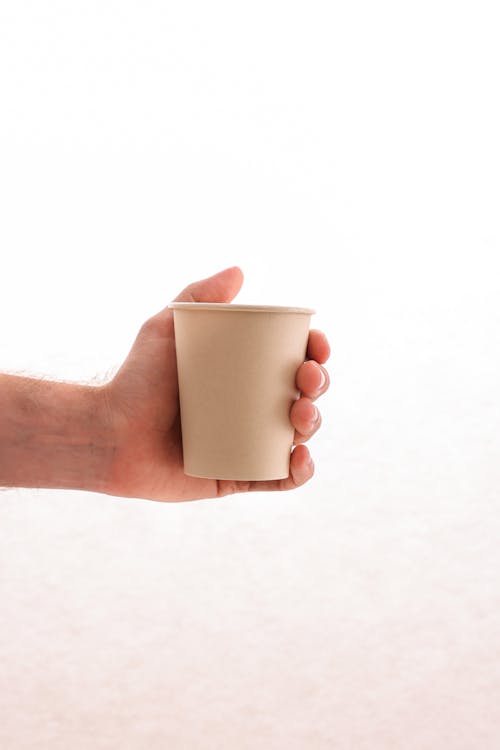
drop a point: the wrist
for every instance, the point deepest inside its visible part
(97, 440)
(105, 437)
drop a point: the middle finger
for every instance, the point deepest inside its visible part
(312, 379)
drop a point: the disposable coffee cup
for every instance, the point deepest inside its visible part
(236, 368)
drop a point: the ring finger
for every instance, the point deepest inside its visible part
(306, 419)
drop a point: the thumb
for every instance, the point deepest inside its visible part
(222, 287)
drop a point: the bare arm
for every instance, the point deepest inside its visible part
(53, 435)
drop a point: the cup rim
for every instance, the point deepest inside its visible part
(229, 307)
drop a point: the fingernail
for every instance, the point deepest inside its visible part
(323, 379)
(314, 417)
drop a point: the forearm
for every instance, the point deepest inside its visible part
(53, 435)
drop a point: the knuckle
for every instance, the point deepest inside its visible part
(147, 326)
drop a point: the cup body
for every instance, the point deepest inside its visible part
(236, 368)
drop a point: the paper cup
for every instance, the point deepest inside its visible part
(236, 368)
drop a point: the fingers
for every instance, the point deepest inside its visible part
(318, 347)
(312, 379)
(301, 470)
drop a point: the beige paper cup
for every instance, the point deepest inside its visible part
(236, 368)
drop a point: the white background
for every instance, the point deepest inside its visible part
(346, 156)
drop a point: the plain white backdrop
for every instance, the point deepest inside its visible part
(346, 156)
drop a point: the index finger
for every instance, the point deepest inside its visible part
(318, 347)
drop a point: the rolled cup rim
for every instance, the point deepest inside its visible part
(230, 307)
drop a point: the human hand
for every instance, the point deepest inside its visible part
(141, 404)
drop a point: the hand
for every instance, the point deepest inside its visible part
(142, 407)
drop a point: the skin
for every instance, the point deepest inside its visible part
(123, 438)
